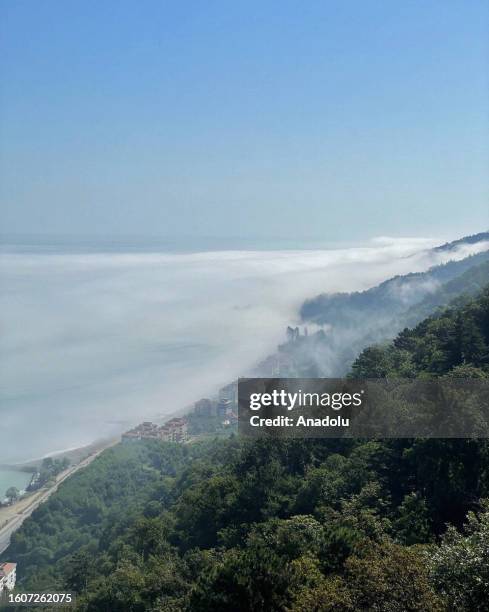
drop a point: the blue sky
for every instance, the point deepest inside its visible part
(338, 120)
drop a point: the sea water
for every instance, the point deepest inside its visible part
(96, 337)
(12, 478)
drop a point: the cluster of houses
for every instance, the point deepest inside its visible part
(174, 430)
(224, 406)
(7, 576)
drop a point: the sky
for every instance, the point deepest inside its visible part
(340, 120)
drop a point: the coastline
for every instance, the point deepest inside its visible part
(75, 454)
(12, 517)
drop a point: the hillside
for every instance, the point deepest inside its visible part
(454, 244)
(282, 525)
(457, 290)
(454, 341)
(467, 284)
(359, 322)
(387, 299)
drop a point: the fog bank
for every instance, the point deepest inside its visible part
(92, 343)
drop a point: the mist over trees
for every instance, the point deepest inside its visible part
(294, 525)
(350, 322)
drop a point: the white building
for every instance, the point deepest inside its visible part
(7, 576)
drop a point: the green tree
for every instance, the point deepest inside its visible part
(459, 568)
(12, 494)
(388, 577)
(413, 524)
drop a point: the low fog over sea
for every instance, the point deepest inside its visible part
(96, 337)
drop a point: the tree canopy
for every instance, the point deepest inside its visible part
(282, 525)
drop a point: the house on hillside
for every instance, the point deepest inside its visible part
(7, 576)
(174, 430)
(178, 429)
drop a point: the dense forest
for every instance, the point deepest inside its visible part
(283, 525)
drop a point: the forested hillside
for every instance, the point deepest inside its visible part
(464, 286)
(454, 244)
(454, 341)
(357, 320)
(270, 525)
(388, 299)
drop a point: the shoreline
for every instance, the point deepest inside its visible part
(12, 517)
(75, 454)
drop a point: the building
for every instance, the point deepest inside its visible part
(223, 407)
(174, 430)
(203, 407)
(166, 434)
(144, 431)
(229, 392)
(178, 429)
(7, 576)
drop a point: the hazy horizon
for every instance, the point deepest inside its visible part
(26, 242)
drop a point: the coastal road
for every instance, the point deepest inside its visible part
(38, 498)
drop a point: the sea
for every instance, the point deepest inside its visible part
(98, 334)
(10, 477)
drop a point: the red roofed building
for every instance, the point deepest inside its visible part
(7, 576)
